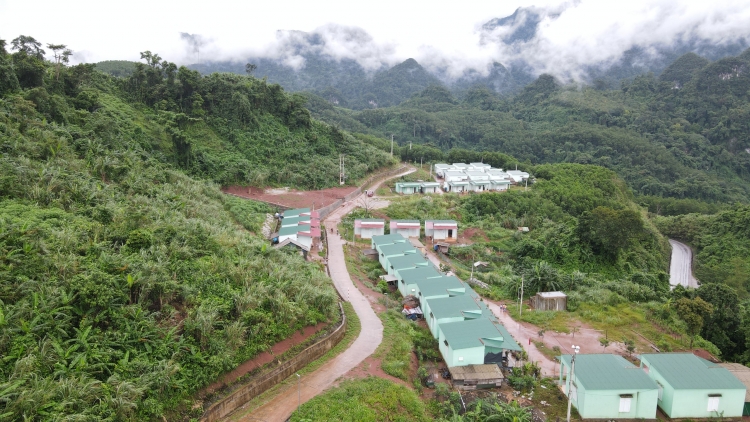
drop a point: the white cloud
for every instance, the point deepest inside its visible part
(387, 32)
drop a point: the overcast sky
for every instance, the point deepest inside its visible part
(373, 33)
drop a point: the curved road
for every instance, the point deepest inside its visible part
(680, 267)
(281, 407)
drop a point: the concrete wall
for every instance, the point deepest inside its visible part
(268, 379)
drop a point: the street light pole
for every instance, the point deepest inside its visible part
(576, 349)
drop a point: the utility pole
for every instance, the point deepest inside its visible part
(342, 175)
(409, 145)
(520, 299)
(576, 349)
(391, 145)
(420, 164)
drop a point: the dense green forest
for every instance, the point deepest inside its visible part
(683, 134)
(128, 281)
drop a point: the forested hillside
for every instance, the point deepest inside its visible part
(682, 135)
(127, 279)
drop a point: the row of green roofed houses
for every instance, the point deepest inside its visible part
(467, 331)
(682, 385)
(602, 386)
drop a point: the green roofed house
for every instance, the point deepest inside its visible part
(692, 387)
(408, 188)
(444, 286)
(474, 342)
(408, 277)
(393, 250)
(396, 263)
(387, 239)
(607, 386)
(450, 309)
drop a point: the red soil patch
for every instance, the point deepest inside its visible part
(469, 236)
(263, 358)
(292, 198)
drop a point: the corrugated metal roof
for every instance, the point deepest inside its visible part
(471, 333)
(295, 212)
(439, 286)
(685, 371)
(552, 295)
(285, 231)
(406, 261)
(411, 275)
(742, 373)
(385, 239)
(609, 372)
(397, 249)
(453, 307)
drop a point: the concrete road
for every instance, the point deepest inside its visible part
(281, 407)
(680, 268)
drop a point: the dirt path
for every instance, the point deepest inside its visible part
(680, 267)
(281, 407)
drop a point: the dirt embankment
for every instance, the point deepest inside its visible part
(290, 197)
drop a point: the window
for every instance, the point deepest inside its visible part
(713, 402)
(625, 402)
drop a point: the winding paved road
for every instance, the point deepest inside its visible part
(680, 267)
(281, 407)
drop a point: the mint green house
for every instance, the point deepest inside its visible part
(408, 188)
(692, 387)
(608, 387)
(474, 342)
(449, 309)
(407, 278)
(393, 250)
(396, 263)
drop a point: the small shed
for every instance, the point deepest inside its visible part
(442, 247)
(366, 228)
(692, 387)
(471, 377)
(371, 254)
(606, 386)
(406, 228)
(550, 301)
(742, 373)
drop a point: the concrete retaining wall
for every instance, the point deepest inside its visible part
(268, 379)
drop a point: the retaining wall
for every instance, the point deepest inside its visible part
(268, 379)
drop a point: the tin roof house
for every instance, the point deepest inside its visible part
(441, 230)
(474, 342)
(692, 387)
(606, 386)
(366, 228)
(406, 228)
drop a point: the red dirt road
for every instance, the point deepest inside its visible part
(292, 198)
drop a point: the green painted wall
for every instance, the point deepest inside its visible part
(694, 403)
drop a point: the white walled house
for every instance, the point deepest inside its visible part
(499, 185)
(456, 176)
(406, 228)
(366, 228)
(440, 169)
(441, 230)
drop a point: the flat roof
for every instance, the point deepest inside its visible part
(476, 372)
(476, 333)
(685, 371)
(426, 184)
(609, 372)
(459, 183)
(386, 239)
(552, 295)
(453, 307)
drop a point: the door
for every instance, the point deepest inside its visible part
(450, 233)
